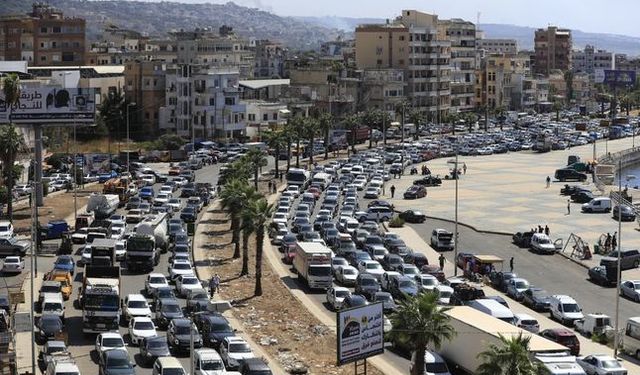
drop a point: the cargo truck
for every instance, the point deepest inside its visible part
(155, 226)
(142, 254)
(103, 252)
(312, 263)
(476, 329)
(103, 205)
(99, 299)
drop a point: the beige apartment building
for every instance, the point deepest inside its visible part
(552, 50)
(496, 82)
(462, 35)
(145, 86)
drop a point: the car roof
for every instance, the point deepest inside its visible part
(169, 362)
(561, 331)
(111, 335)
(523, 316)
(136, 297)
(181, 322)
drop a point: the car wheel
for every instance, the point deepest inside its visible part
(636, 263)
(637, 298)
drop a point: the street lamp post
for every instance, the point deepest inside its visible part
(128, 147)
(455, 236)
(75, 176)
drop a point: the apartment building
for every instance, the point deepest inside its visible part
(462, 35)
(203, 102)
(43, 37)
(145, 86)
(263, 115)
(552, 50)
(498, 80)
(383, 89)
(529, 93)
(492, 46)
(269, 59)
(590, 60)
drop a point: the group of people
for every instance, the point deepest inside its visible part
(273, 187)
(610, 242)
(540, 229)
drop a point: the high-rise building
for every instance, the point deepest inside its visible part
(145, 86)
(269, 59)
(552, 50)
(43, 37)
(496, 82)
(462, 35)
(590, 60)
(491, 46)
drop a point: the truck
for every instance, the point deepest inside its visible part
(62, 365)
(54, 229)
(596, 323)
(99, 299)
(543, 142)
(84, 220)
(103, 205)
(65, 280)
(312, 263)
(142, 253)
(476, 329)
(103, 252)
(155, 226)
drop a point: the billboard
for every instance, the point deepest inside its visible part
(360, 333)
(49, 104)
(619, 78)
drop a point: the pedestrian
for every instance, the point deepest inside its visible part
(546, 230)
(270, 189)
(441, 259)
(614, 241)
(393, 190)
(548, 181)
(568, 207)
(511, 264)
(607, 243)
(383, 192)
(281, 176)
(464, 168)
(214, 284)
(275, 188)
(540, 229)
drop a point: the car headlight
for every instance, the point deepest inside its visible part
(176, 341)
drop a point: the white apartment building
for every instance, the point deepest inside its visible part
(203, 102)
(491, 46)
(590, 60)
(263, 115)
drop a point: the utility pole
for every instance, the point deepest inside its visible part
(129, 105)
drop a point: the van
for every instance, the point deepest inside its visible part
(433, 364)
(442, 239)
(631, 339)
(600, 204)
(493, 308)
(564, 309)
(167, 366)
(207, 362)
(52, 303)
(375, 213)
(541, 243)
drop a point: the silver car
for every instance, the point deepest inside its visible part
(630, 289)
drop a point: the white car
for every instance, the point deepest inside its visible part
(141, 327)
(409, 270)
(154, 281)
(148, 179)
(427, 283)
(22, 189)
(233, 351)
(371, 267)
(162, 198)
(516, 287)
(336, 296)
(85, 256)
(117, 233)
(601, 364)
(280, 217)
(444, 294)
(109, 340)
(135, 305)
(293, 189)
(179, 267)
(174, 203)
(166, 189)
(527, 322)
(372, 192)
(80, 236)
(346, 275)
(6, 229)
(12, 264)
(630, 289)
(184, 283)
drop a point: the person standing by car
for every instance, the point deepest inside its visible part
(393, 190)
(441, 259)
(548, 181)
(511, 264)
(568, 207)
(214, 284)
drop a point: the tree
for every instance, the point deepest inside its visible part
(255, 159)
(557, 106)
(233, 198)
(416, 117)
(568, 79)
(11, 141)
(259, 212)
(113, 112)
(510, 358)
(247, 227)
(420, 323)
(310, 128)
(276, 140)
(295, 131)
(170, 142)
(376, 119)
(352, 122)
(326, 123)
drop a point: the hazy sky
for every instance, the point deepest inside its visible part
(603, 16)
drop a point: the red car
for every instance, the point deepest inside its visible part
(433, 270)
(315, 191)
(563, 336)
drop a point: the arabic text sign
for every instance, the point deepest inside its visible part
(619, 77)
(360, 333)
(47, 104)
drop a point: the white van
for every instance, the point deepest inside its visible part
(208, 362)
(168, 366)
(322, 179)
(493, 308)
(600, 204)
(433, 364)
(631, 339)
(541, 243)
(442, 239)
(564, 309)
(53, 303)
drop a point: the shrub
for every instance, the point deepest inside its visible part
(396, 222)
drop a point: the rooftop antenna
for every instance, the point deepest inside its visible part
(478, 19)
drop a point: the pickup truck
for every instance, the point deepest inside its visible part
(593, 323)
(12, 246)
(65, 279)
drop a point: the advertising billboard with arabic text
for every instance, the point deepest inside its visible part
(619, 78)
(48, 104)
(360, 333)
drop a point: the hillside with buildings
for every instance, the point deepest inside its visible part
(156, 19)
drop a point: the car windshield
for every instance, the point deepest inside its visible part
(157, 280)
(319, 271)
(348, 271)
(429, 281)
(55, 349)
(112, 342)
(212, 364)
(239, 348)
(182, 330)
(367, 281)
(190, 280)
(171, 308)
(137, 304)
(383, 298)
(50, 322)
(143, 325)
(173, 371)
(182, 266)
(436, 368)
(544, 241)
(522, 285)
(52, 306)
(157, 344)
(406, 284)
(373, 266)
(199, 296)
(118, 362)
(342, 293)
(610, 363)
(570, 307)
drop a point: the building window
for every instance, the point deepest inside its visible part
(229, 101)
(265, 117)
(252, 117)
(379, 62)
(67, 56)
(146, 115)
(56, 29)
(212, 101)
(43, 58)
(401, 37)
(275, 116)
(43, 30)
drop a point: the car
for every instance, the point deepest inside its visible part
(376, 213)
(601, 364)
(346, 275)
(51, 349)
(335, 297)
(536, 298)
(354, 300)
(605, 276)
(630, 289)
(367, 285)
(185, 283)
(22, 190)
(499, 280)
(388, 304)
(167, 309)
(180, 267)
(109, 341)
(433, 270)
(371, 267)
(135, 215)
(49, 326)
(213, 327)
(415, 192)
(408, 270)
(527, 322)
(254, 366)
(80, 236)
(563, 336)
(542, 244)
(569, 174)
(188, 214)
(115, 362)
(152, 348)
(626, 213)
(429, 180)
(154, 281)
(336, 263)
(522, 239)
(141, 327)
(233, 351)
(628, 259)
(444, 294)
(13, 246)
(516, 287)
(391, 262)
(197, 300)
(413, 216)
(426, 283)
(12, 264)
(135, 305)
(6, 229)
(403, 287)
(372, 192)
(179, 334)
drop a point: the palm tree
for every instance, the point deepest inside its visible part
(416, 117)
(247, 228)
(352, 122)
(326, 122)
(295, 131)
(11, 141)
(557, 106)
(420, 323)
(276, 140)
(511, 358)
(233, 198)
(256, 160)
(310, 128)
(259, 212)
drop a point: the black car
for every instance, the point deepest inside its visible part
(179, 335)
(49, 326)
(354, 300)
(188, 190)
(161, 293)
(133, 203)
(388, 304)
(625, 214)
(367, 285)
(167, 310)
(394, 245)
(380, 203)
(605, 276)
(568, 174)
(629, 259)
(403, 287)
(536, 298)
(415, 192)
(583, 197)
(499, 279)
(115, 362)
(571, 189)
(522, 239)
(428, 181)
(417, 259)
(188, 214)
(152, 348)
(254, 366)
(391, 262)
(413, 216)
(214, 328)
(197, 300)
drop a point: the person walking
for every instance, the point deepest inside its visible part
(607, 243)
(568, 207)
(511, 264)
(464, 168)
(540, 229)
(614, 241)
(214, 285)
(548, 181)
(441, 259)
(270, 187)
(546, 230)
(393, 190)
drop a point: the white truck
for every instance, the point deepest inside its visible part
(312, 263)
(155, 226)
(323, 179)
(62, 365)
(597, 323)
(476, 329)
(103, 205)
(99, 299)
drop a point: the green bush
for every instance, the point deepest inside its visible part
(396, 222)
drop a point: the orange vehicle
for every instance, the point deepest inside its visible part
(65, 279)
(174, 170)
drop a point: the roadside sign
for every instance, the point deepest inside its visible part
(360, 333)
(16, 297)
(49, 104)
(619, 78)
